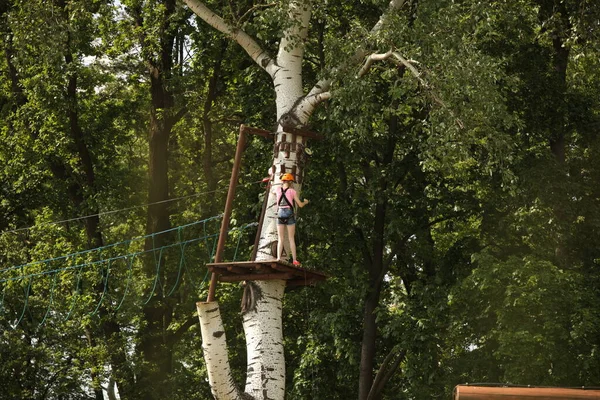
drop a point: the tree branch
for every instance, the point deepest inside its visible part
(386, 371)
(256, 52)
(187, 324)
(364, 248)
(255, 7)
(292, 40)
(409, 64)
(310, 102)
(324, 85)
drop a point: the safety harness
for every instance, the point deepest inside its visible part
(284, 199)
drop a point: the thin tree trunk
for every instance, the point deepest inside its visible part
(155, 344)
(377, 270)
(109, 327)
(211, 96)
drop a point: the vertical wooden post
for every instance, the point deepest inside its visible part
(228, 206)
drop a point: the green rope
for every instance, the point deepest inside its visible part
(26, 303)
(238, 244)
(76, 295)
(197, 287)
(105, 288)
(98, 262)
(130, 258)
(240, 237)
(181, 259)
(155, 276)
(129, 274)
(99, 249)
(214, 248)
(51, 300)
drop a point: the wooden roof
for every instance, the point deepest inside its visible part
(498, 392)
(265, 270)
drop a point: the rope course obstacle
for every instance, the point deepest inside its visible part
(102, 277)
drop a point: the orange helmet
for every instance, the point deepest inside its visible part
(287, 177)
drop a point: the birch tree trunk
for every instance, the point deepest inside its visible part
(263, 322)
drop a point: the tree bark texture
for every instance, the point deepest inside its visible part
(214, 345)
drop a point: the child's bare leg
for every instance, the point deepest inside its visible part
(292, 237)
(280, 238)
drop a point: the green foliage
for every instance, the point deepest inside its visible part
(490, 242)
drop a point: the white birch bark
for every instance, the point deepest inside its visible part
(216, 355)
(265, 378)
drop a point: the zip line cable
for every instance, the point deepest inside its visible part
(122, 209)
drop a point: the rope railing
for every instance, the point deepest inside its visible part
(41, 288)
(113, 245)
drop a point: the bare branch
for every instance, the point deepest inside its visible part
(256, 52)
(411, 68)
(371, 59)
(409, 64)
(310, 102)
(325, 84)
(396, 57)
(392, 6)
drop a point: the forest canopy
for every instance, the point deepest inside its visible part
(455, 200)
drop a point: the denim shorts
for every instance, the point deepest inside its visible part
(285, 216)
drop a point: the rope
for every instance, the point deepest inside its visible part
(33, 275)
(240, 238)
(110, 261)
(100, 249)
(105, 288)
(76, 295)
(156, 276)
(129, 273)
(51, 300)
(26, 303)
(181, 259)
(100, 214)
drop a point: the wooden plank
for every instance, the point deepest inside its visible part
(465, 392)
(257, 131)
(237, 270)
(282, 267)
(236, 263)
(255, 269)
(303, 132)
(255, 277)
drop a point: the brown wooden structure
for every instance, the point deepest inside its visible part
(265, 271)
(256, 270)
(500, 392)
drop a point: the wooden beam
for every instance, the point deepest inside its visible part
(237, 270)
(255, 277)
(256, 131)
(302, 132)
(282, 267)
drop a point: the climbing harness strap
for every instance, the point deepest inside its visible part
(284, 199)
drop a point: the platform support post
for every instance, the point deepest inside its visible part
(227, 213)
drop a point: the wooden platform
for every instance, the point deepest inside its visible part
(264, 271)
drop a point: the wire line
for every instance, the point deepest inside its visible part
(123, 209)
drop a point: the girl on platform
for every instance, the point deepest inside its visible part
(286, 196)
